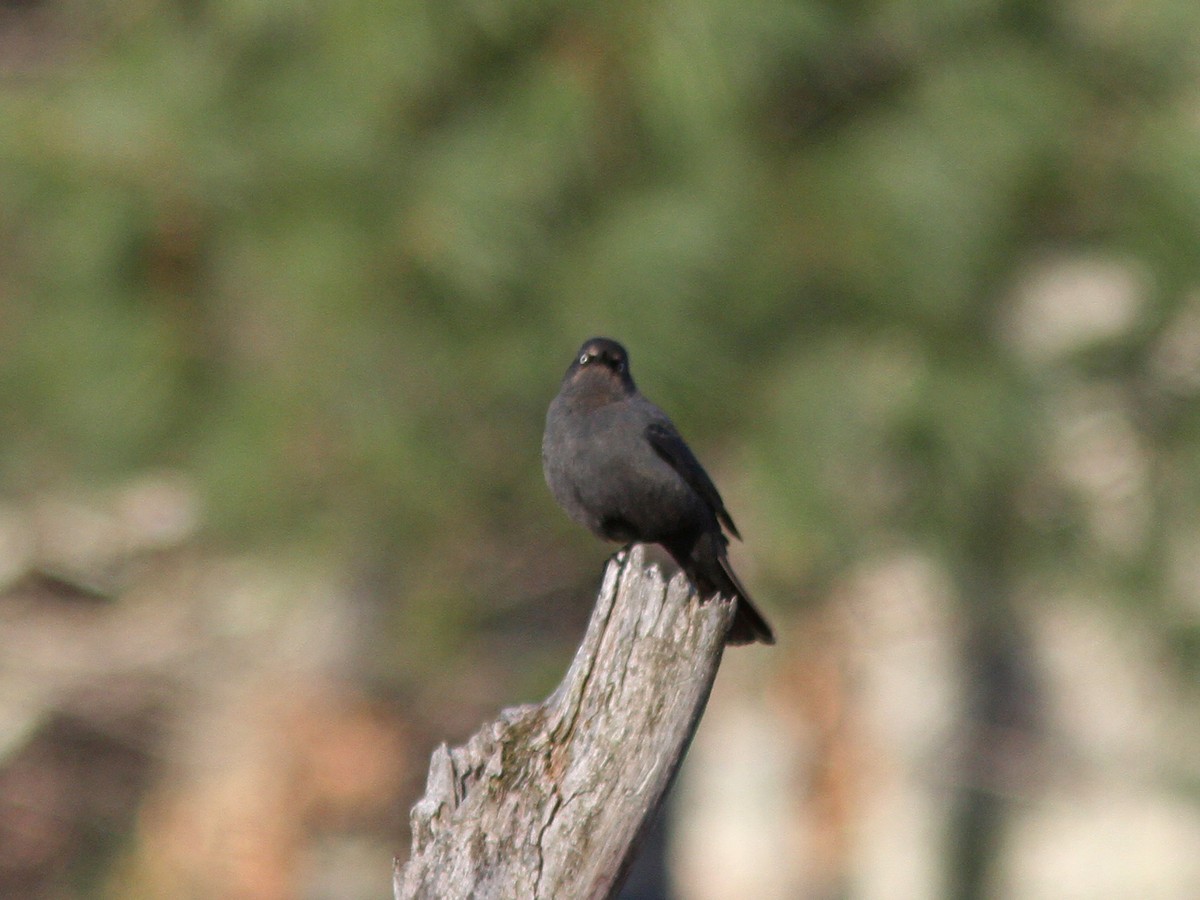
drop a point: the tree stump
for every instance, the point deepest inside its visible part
(549, 800)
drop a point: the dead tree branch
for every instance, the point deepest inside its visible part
(549, 800)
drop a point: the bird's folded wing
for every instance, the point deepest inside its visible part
(670, 446)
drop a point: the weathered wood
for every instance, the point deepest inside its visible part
(549, 800)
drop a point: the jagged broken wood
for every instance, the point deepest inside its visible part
(549, 800)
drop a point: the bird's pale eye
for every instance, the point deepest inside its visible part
(584, 358)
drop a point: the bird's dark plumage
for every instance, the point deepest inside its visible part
(616, 464)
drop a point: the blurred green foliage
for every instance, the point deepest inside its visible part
(331, 259)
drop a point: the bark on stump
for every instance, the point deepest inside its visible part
(549, 800)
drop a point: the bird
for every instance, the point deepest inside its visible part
(617, 465)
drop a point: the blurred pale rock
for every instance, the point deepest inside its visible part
(1066, 303)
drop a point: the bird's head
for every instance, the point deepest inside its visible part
(601, 366)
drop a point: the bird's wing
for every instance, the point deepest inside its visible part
(670, 446)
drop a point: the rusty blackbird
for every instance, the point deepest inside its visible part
(616, 464)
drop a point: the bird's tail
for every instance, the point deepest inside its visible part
(707, 565)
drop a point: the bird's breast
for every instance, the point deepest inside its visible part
(605, 474)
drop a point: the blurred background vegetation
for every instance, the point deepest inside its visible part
(918, 280)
